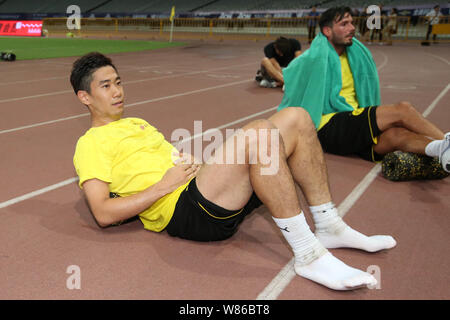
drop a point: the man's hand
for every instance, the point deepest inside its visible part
(184, 170)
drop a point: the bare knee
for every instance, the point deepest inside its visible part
(258, 130)
(298, 119)
(405, 108)
(265, 62)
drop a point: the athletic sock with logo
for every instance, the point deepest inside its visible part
(313, 261)
(333, 232)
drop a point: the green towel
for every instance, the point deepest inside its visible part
(313, 81)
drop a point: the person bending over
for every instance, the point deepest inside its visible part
(336, 81)
(208, 201)
(277, 55)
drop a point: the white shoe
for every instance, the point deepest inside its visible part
(444, 153)
(267, 84)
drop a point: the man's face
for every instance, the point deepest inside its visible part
(106, 99)
(342, 32)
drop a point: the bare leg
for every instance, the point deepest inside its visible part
(231, 185)
(404, 115)
(307, 164)
(404, 129)
(234, 183)
(401, 139)
(305, 155)
(273, 70)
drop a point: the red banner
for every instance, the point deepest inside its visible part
(28, 28)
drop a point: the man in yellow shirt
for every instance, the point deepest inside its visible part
(373, 131)
(207, 202)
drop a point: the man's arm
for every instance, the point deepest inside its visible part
(108, 210)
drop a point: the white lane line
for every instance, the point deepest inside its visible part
(439, 58)
(36, 96)
(127, 82)
(74, 179)
(435, 102)
(287, 274)
(37, 192)
(30, 81)
(127, 106)
(385, 61)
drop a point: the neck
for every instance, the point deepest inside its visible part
(101, 121)
(339, 49)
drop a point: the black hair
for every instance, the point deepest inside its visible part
(84, 67)
(283, 45)
(332, 15)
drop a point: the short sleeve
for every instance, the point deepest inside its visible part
(92, 161)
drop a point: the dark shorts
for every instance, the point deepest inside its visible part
(196, 218)
(351, 134)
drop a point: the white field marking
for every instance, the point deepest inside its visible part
(37, 192)
(36, 96)
(399, 87)
(74, 179)
(189, 73)
(229, 124)
(439, 58)
(127, 82)
(284, 277)
(435, 102)
(127, 106)
(30, 81)
(385, 61)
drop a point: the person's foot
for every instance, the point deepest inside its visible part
(267, 84)
(333, 232)
(350, 238)
(331, 272)
(444, 153)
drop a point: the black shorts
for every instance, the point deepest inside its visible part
(196, 218)
(349, 133)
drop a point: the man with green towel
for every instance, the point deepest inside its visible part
(336, 81)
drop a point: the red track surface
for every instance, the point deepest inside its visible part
(42, 235)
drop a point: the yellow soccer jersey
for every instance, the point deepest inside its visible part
(347, 91)
(130, 155)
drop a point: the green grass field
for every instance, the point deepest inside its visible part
(42, 48)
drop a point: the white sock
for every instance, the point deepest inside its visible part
(333, 232)
(314, 262)
(305, 245)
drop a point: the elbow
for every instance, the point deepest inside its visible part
(102, 223)
(102, 218)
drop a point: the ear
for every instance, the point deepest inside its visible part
(84, 97)
(327, 32)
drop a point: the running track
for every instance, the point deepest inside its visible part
(46, 226)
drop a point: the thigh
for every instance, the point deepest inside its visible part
(224, 182)
(387, 116)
